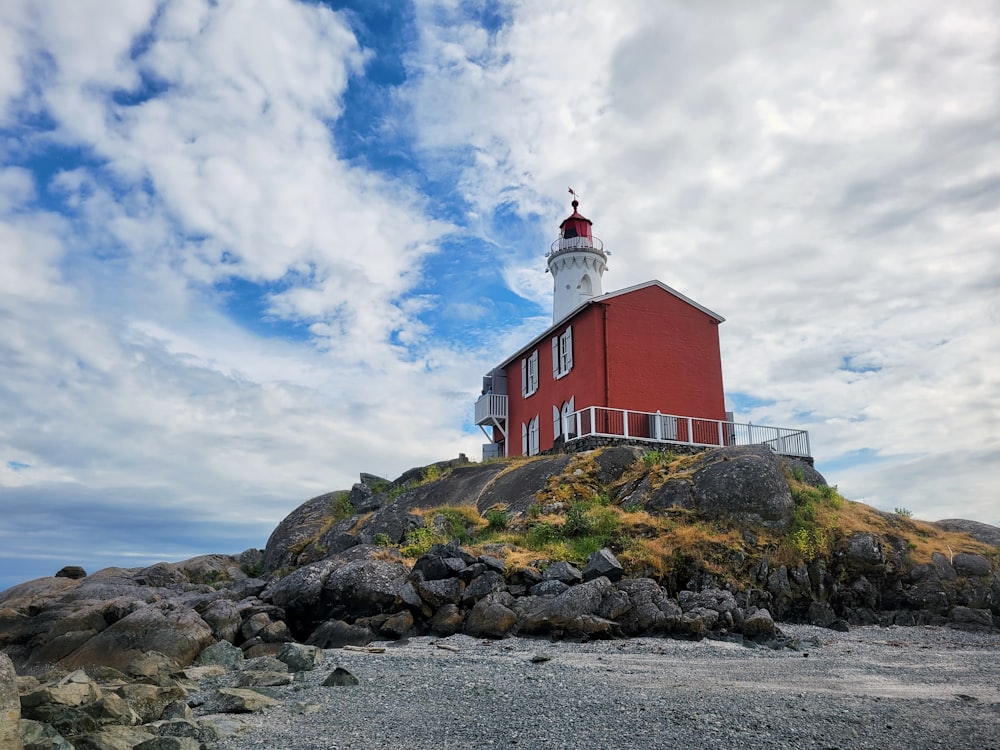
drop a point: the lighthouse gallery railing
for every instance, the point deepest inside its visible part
(670, 428)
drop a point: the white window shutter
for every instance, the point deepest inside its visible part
(568, 349)
(524, 377)
(556, 364)
(556, 421)
(524, 439)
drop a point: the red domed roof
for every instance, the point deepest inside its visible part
(576, 224)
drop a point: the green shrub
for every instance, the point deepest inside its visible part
(341, 506)
(497, 519)
(903, 513)
(540, 534)
(417, 542)
(658, 458)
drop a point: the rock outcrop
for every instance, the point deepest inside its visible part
(10, 706)
(331, 578)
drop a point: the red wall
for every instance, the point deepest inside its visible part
(662, 355)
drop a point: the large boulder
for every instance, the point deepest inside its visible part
(10, 706)
(173, 630)
(743, 484)
(363, 587)
(298, 529)
(575, 611)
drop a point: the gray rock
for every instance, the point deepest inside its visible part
(150, 701)
(865, 551)
(364, 500)
(38, 736)
(603, 563)
(112, 709)
(151, 664)
(177, 710)
(494, 563)
(10, 706)
(340, 677)
(488, 583)
(300, 658)
(446, 621)
(548, 588)
(397, 626)
(71, 571)
(75, 689)
(113, 738)
(490, 619)
(516, 486)
(175, 631)
(364, 587)
(296, 531)
(742, 483)
(717, 600)
(650, 610)
(243, 700)
(437, 593)
(169, 743)
(253, 678)
(971, 565)
(967, 618)
(244, 588)
(804, 469)
(223, 654)
(430, 568)
(574, 610)
(758, 624)
(563, 571)
(943, 567)
(224, 618)
(337, 634)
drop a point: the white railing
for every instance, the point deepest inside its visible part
(670, 428)
(576, 243)
(490, 407)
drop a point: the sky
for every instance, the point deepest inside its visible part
(249, 249)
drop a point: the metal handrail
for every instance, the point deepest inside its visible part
(565, 244)
(671, 428)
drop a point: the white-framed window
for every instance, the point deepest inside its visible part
(529, 374)
(568, 420)
(562, 353)
(529, 437)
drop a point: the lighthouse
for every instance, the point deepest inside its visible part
(576, 261)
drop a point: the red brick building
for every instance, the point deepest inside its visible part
(635, 363)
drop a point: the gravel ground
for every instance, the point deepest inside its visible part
(869, 688)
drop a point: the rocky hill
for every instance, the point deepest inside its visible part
(609, 543)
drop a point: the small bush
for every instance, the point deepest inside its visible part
(417, 542)
(903, 513)
(540, 534)
(658, 458)
(497, 519)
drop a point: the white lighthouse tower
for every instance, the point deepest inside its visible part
(576, 261)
